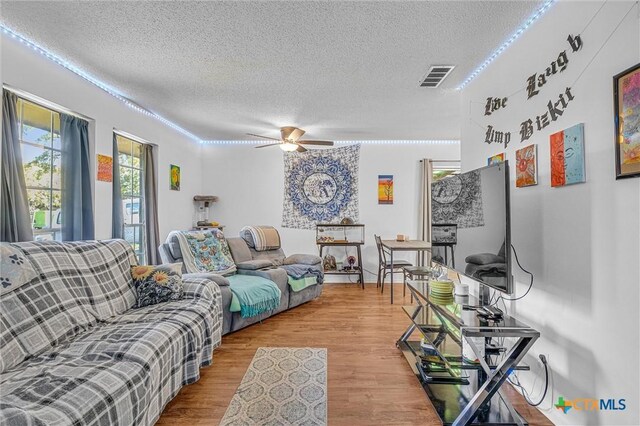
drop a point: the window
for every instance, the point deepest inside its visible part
(129, 157)
(39, 130)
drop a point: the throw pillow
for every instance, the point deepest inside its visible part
(15, 269)
(157, 284)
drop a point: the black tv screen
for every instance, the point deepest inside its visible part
(474, 208)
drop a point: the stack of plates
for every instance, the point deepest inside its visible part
(441, 291)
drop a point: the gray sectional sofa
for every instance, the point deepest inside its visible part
(251, 262)
(72, 349)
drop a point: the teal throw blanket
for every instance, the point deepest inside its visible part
(255, 294)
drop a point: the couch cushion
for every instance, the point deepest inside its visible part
(76, 285)
(255, 264)
(74, 391)
(122, 371)
(174, 247)
(239, 249)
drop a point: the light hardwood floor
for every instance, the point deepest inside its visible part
(369, 381)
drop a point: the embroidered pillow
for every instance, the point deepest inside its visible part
(210, 252)
(15, 269)
(157, 284)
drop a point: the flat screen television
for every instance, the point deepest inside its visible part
(477, 203)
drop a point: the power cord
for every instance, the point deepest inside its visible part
(543, 358)
(524, 270)
(524, 392)
(528, 289)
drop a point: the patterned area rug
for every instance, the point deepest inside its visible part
(283, 386)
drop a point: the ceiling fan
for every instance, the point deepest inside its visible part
(290, 140)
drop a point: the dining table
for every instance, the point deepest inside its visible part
(391, 246)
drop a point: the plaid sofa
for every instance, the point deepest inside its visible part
(72, 349)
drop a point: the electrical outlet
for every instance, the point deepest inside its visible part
(543, 359)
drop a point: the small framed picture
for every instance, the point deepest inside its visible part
(626, 98)
(527, 166)
(175, 177)
(495, 159)
(105, 168)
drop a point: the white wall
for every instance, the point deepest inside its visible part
(581, 241)
(26, 70)
(250, 184)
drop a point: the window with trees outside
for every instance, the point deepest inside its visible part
(39, 130)
(131, 167)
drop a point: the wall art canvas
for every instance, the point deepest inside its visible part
(105, 168)
(320, 186)
(458, 199)
(527, 166)
(175, 177)
(385, 189)
(626, 92)
(495, 159)
(567, 156)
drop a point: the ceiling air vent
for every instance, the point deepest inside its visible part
(436, 74)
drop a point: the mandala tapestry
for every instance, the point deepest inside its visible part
(320, 186)
(458, 199)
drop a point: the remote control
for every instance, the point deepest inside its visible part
(490, 312)
(495, 312)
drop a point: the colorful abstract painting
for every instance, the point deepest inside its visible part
(498, 158)
(320, 186)
(105, 168)
(527, 166)
(385, 189)
(627, 108)
(567, 156)
(175, 177)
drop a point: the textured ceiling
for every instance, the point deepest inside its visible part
(340, 70)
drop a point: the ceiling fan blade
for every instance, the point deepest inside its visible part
(291, 133)
(269, 144)
(263, 137)
(301, 149)
(310, 142)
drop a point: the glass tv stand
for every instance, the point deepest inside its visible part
(463, 392)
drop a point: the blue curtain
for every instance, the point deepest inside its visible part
(15, 220)
(150, 204)
(117, 220)
(77, 200)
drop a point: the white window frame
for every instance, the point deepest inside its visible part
(140, 224)
(54, 231)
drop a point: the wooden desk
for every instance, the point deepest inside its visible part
(411, 245)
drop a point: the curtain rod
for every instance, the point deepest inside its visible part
(43, 102)
(132, 137)
(442, 161)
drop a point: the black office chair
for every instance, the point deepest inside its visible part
(384, 267)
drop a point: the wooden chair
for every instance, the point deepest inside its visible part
(384, 267)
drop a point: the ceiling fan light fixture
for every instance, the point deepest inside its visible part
(288, 146)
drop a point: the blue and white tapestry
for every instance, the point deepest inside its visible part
(320, 186)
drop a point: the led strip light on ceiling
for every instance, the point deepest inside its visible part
(93, 80)
(533, 18)
(370, 142)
